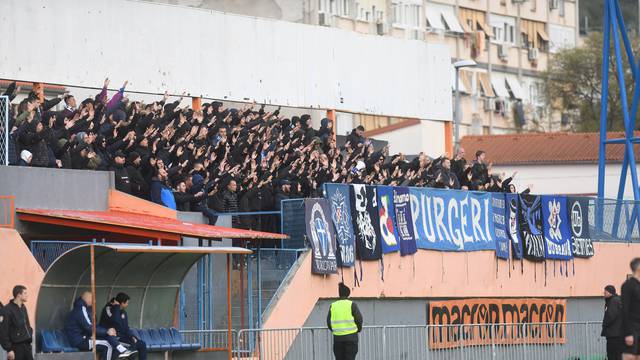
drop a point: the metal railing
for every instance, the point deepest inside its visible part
(209, 340)
(438, 342)
(7, 211)
(4, 130)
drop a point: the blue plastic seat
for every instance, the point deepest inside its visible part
(157, 340)
(64, 342)
(165, 334)
(49, 342)
(177, 338)
(146, 337)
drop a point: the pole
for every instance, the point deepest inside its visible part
(456, 115)
(229, 336)
(93, 302)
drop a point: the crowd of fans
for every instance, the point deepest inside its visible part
(218, 159)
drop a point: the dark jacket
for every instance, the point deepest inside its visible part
(279, 196)
(446, 179)
(16, 328)
(139, 186)
(480, 173)
(354, 139)
(122, 178)
(457, 167)
(78, 327)
(630, 295)
(357, 316)
(183, 200)
(612, 321)
(113, 316)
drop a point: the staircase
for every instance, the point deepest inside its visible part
(274, 265)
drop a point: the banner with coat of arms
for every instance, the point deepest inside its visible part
(338, 197)
(557, 237)
(321, 236)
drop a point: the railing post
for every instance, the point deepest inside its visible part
(258, 253)
(384, 342)
(461, 338)
(493, 341)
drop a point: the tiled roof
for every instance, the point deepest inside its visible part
(543, 148)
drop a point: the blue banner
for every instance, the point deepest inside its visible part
(404, 221)
(386, 212)
(499, 209)
(338, 197)
(321, 237)
(452, 220)
(557, 236)
(513, 226)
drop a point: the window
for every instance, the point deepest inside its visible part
(332, 7)
(561, 7)
(406, 14)
(534, 6)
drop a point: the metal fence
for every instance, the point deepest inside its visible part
(293, 223)
(575, 341)
(4, 130)
(614, 220)
(209, 339)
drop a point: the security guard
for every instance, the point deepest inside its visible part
(345, 322)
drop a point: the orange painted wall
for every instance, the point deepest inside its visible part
(19, 267)
(454, 275)
(119, 201)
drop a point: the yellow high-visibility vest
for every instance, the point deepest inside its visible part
(342, 321)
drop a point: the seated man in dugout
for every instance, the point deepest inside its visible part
(115, 316)
(79, 329)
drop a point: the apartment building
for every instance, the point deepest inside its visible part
(510, 40)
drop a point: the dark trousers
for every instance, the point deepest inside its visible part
(615, 346)
(139, 345)
(22, 351)
(345, 350)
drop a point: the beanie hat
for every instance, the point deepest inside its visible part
(133, 156)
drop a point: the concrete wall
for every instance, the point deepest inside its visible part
(566, 178)
(432, 274)
(56, 188)
(414, 311)
(229, 57)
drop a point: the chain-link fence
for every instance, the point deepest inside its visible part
(4, 130)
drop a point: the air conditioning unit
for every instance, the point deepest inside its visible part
(489, 104)
(553, 4)
(416, 34)
(533, 54)
(382, 28)
(323, 19)
(503, 51)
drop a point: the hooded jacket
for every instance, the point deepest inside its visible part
(78, 327)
